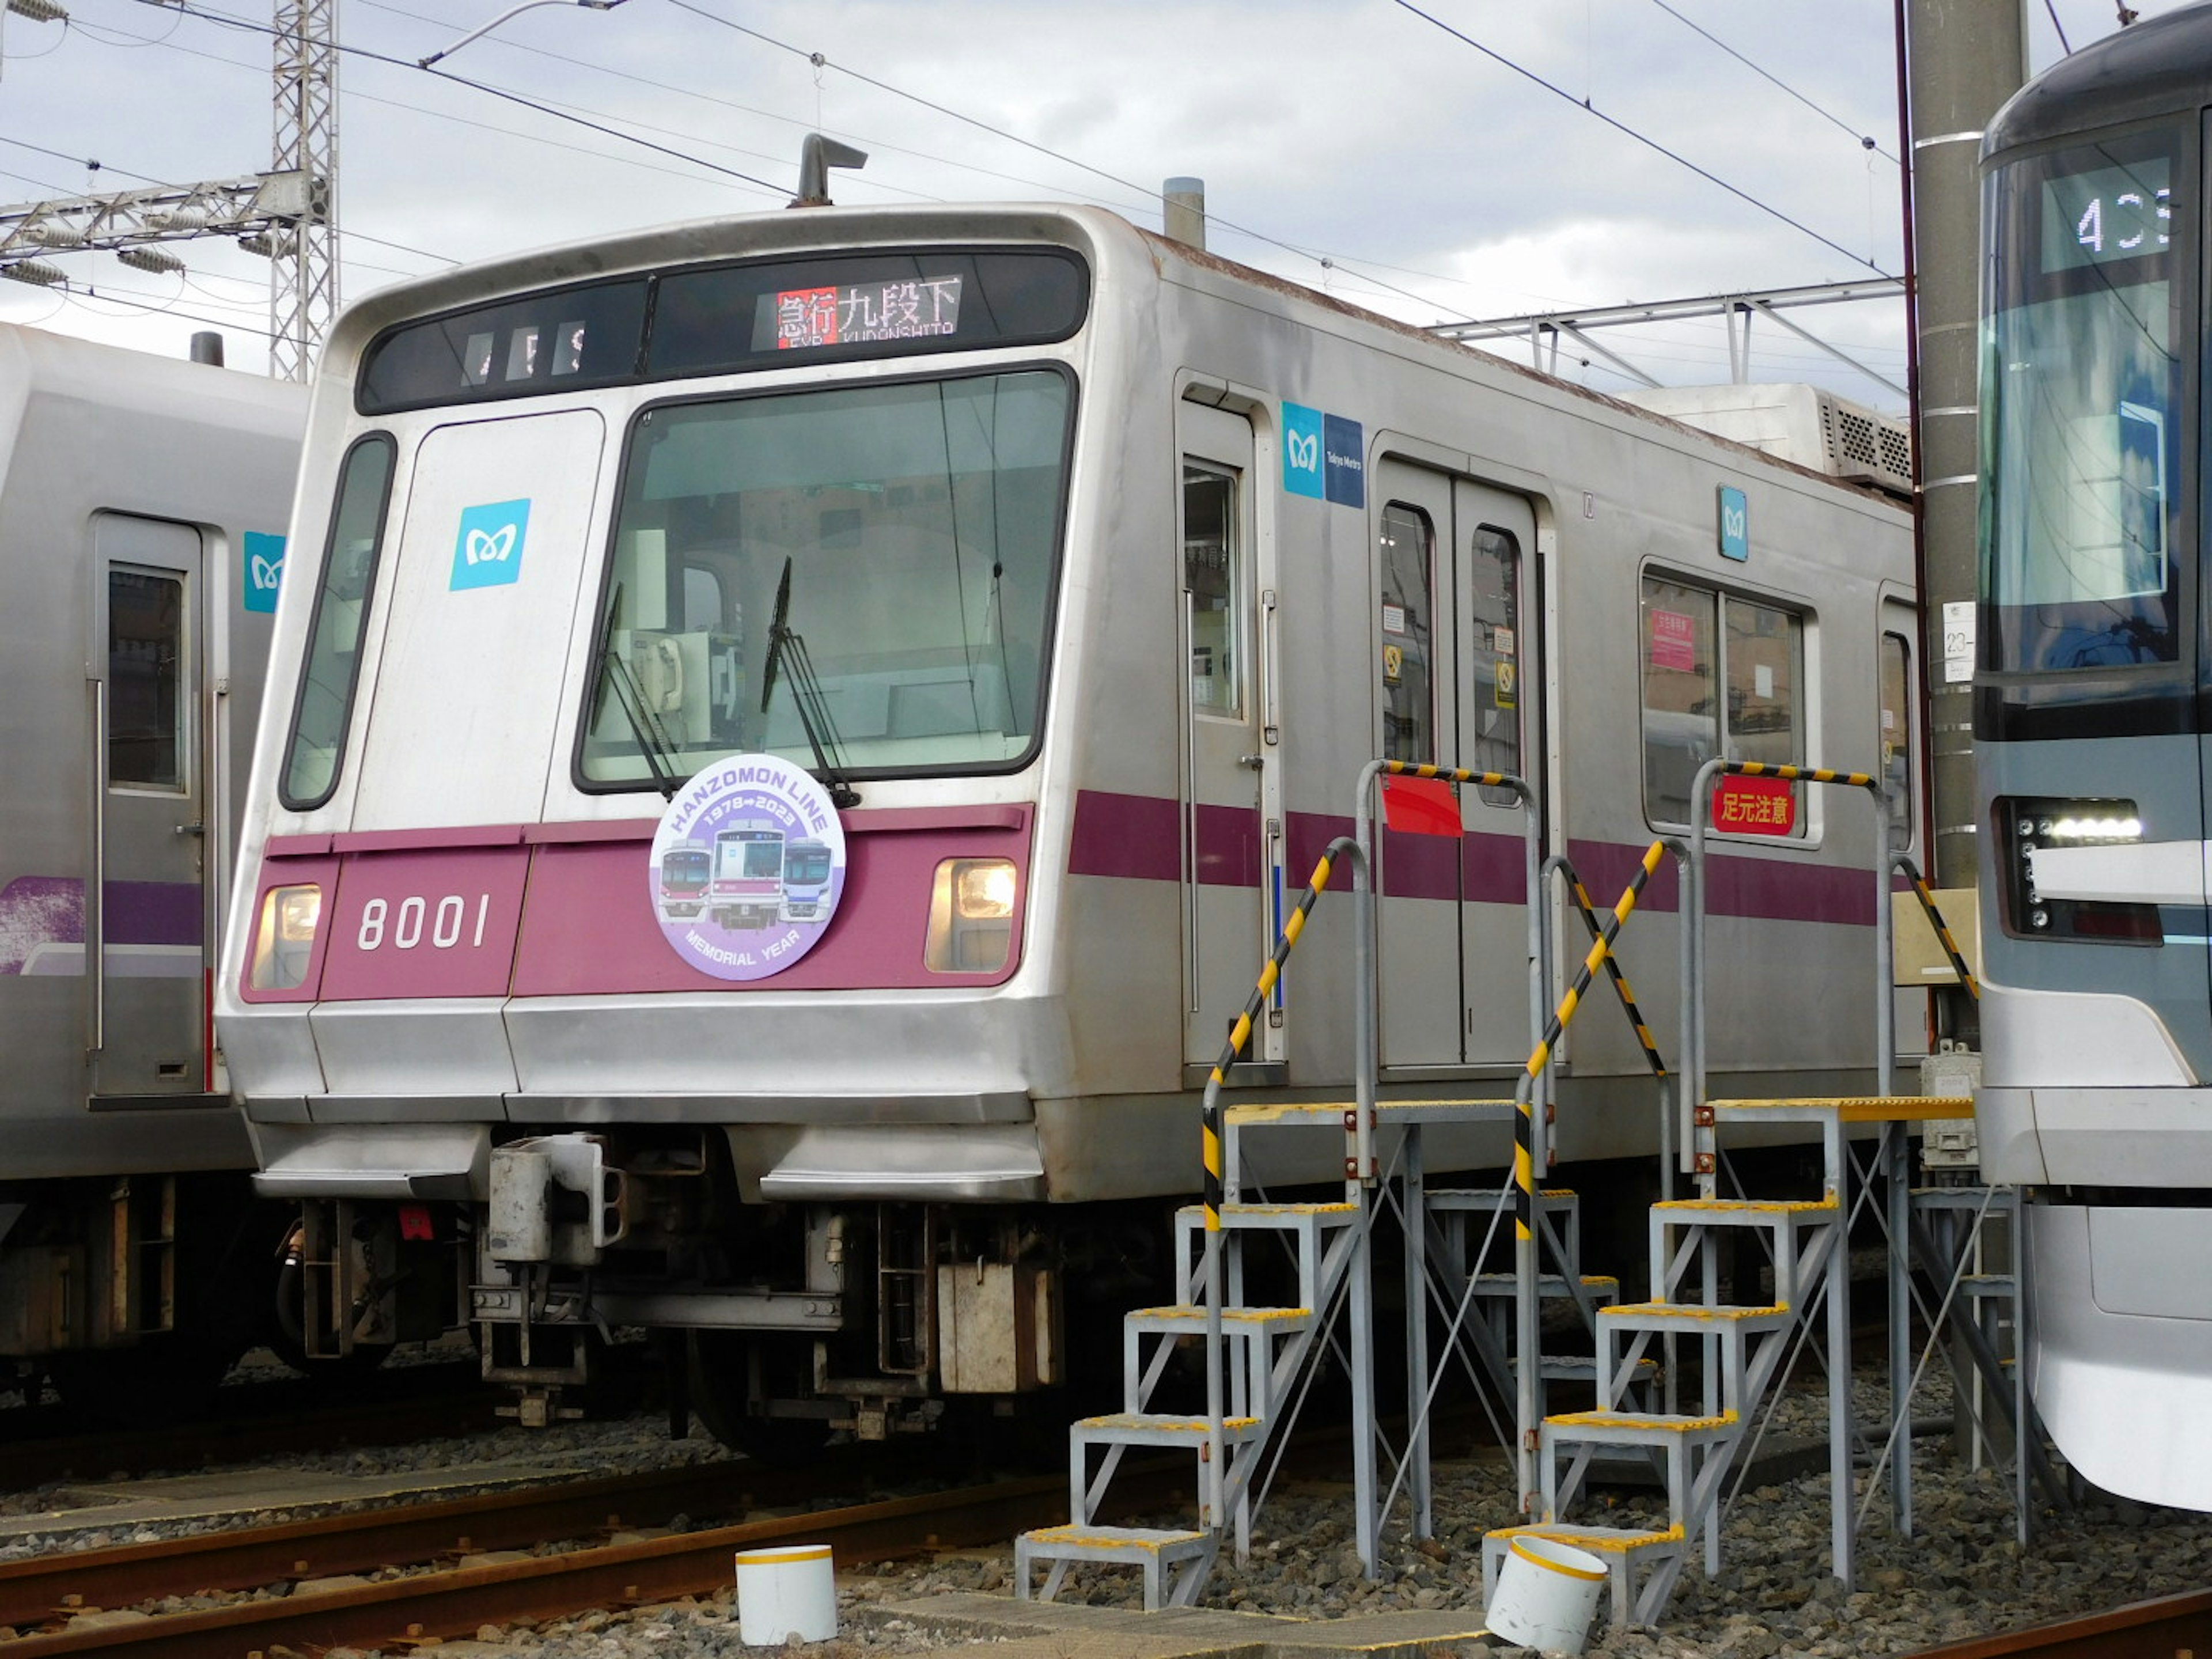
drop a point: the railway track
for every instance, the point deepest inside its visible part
(64, 1605)
(2164, 1628)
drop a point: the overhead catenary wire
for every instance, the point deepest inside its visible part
(228, 21)
(1865, 140)
(1626, 131)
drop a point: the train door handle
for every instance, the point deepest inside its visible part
(1255, 761)
(190, 829)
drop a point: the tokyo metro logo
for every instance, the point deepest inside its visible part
(488, 552)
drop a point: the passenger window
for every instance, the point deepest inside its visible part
(145, 680)
(1896, 748)
(1681, 724)
(1493, 657)
(1209, 577)
(334, 633)
(1761, 717)
(1406, 555)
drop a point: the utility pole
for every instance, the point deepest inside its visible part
(289, 214)
(1964, 58)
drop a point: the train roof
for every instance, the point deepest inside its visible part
(2149, 69)
(766, 235)
(34, 362)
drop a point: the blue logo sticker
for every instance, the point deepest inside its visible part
(1301, 451)
(1345, 456)
(1736, 524)
(263, 556)
(488, 552)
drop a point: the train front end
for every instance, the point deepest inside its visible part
(637, 919)
(2093, 716)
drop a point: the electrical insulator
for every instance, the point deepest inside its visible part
(150, 258)
(35, 272)
(39, 11)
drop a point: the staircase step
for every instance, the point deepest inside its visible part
(1103, 1543)
(1330, 1112)
(1747, 1211)
(1599, 1541)
(1583, 1367)
(1637, 1428)
(1273, 1215)
(1846, 1109)
(1486, 1199)
(1553, 1285)
(1237, 1322)
(1693, 1316)
(1988, 1285)
(1161, 1429)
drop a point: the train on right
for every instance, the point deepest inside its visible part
(2092, 732)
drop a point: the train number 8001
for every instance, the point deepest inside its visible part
(415, 920)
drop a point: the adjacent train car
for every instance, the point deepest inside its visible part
(2093, 708)
(142, 506)
(1086, 570)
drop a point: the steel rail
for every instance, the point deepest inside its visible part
(457, 1601)
(2156, 1629)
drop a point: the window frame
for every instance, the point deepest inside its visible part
(1236, 546)
(589, 673)
(317, 618)
(1431, 721)
(1807, 830)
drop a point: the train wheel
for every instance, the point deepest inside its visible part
(285, 1333)
(721, 1386)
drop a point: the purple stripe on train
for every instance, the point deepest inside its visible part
(42, 921)
(1136, 836)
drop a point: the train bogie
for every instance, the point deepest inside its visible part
(920, 657)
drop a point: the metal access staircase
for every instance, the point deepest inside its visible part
(1745, 1349)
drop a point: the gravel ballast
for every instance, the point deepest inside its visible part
(1962, 1573)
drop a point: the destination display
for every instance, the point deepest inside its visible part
(2107, 214)
(801, 319)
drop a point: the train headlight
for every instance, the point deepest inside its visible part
(2037, 825)
(284, 938)
(972, 916)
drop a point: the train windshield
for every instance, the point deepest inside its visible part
(683, 869)
(899, 543)
(750, 856)
(2082, 403)
(806, 865)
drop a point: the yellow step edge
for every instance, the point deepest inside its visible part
(1600, 1542)
(1143, 1538)
(1691, 1310)
(1626, 1420)
(1256, 1112)
(1337, 1208)
(1747, 1206)
(1861, 1109)
(1137, 1420)
(1250, 1315)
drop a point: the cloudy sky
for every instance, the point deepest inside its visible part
(1436, 181)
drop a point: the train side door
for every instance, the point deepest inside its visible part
(1231, 859)
(477, 627)
(1418, 865)
(1497, 729)
(146, 898)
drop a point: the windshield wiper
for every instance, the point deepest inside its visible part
(786, 649)
(651, 743)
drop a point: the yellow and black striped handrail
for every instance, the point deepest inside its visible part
(1588, 913)
(1525, 1174)
(1927, 898)
(1241, 1033)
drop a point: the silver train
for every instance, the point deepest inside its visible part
(1083, 570)
(142, 506)
(2091, 717)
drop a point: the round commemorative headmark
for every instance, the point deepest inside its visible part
(748, 865)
